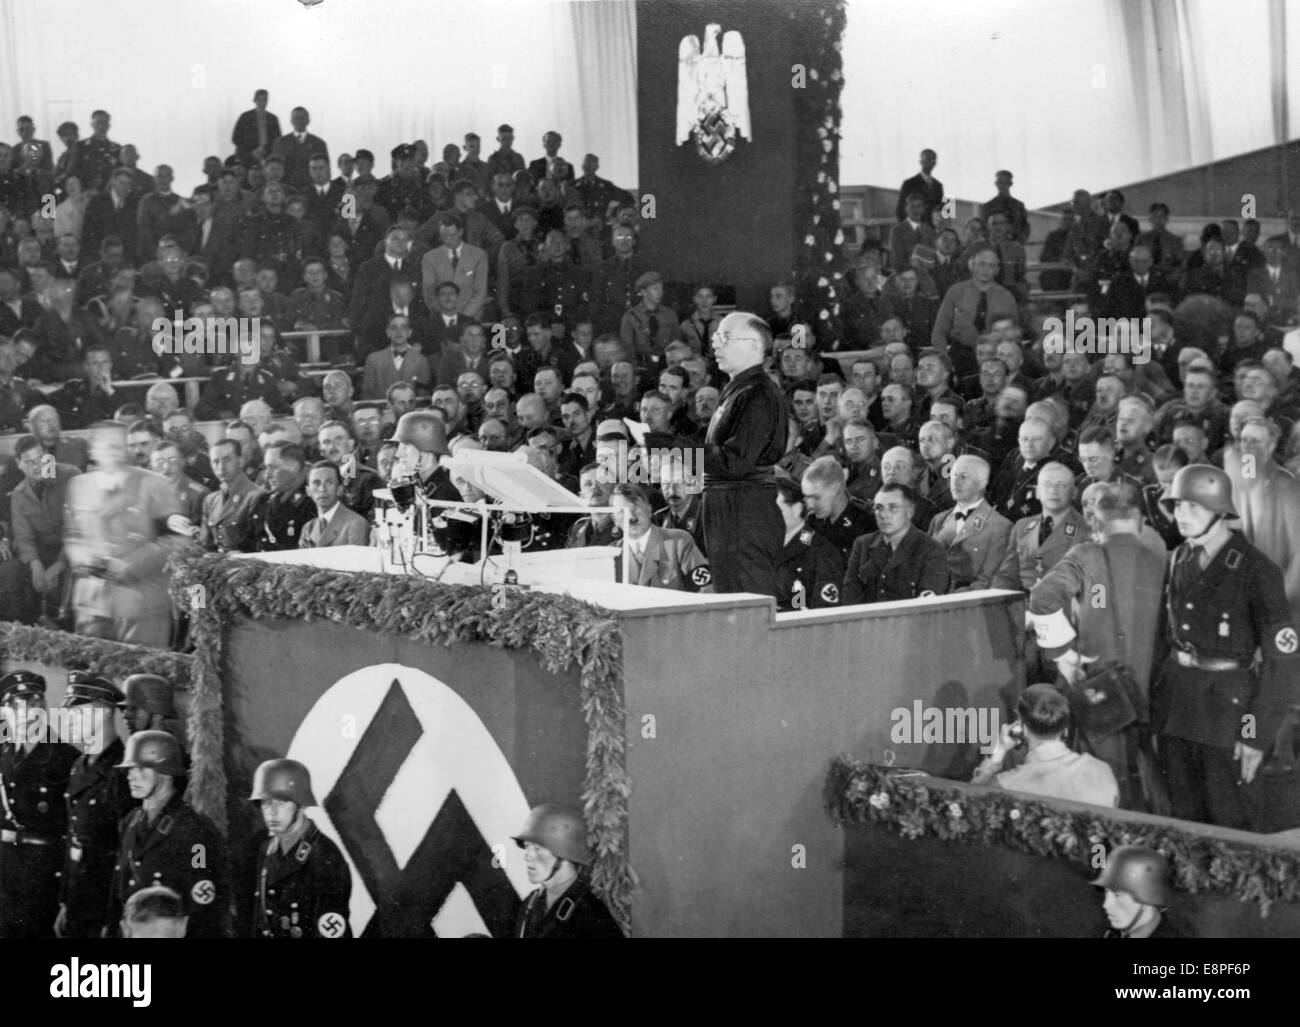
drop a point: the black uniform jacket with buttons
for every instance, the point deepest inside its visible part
(809, 573)
(303, 893)
(578, 913)
(1232, 610)
(98, 799)
(748, 432)
(34, 784)
(854, 521)
(278, 519)
(181, 850)
(879, 573)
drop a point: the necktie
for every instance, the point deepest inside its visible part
(1155, 251)
(982, 312)
(1044, 530)
(654, 328)
(1186, 570)
(455, 261)
(299, 136)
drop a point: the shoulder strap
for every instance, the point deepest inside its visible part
(1113, 593)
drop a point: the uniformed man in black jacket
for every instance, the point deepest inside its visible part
(1226, 614)
(167, 841)
(899, 561)
(280, 513)
(841, 519)
(303, 882)
(746, 437)
(33, 777)
(810, 569)
(98, 798)
(556, 857)
(421, 439)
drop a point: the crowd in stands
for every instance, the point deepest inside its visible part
(508, 296)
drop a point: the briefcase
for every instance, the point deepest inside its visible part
(1106, 700)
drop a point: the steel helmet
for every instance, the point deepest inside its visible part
(283, 779)
(154, 750)
(561, 829)
(1142, 873)
(424, 430)
(151, 693)
(1201, 483)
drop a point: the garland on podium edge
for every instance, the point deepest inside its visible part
(113, 660)
(859, 793)
(559, 630)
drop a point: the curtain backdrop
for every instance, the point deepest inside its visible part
(175, 74)
(1066, 93)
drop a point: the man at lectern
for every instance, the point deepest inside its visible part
(743, 529)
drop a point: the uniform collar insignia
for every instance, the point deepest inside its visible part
(806, 536)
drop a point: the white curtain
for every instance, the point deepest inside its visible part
(175, 74)
(1065, 93)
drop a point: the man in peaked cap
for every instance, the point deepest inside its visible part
(98, 797)
(33, 776)
(303, 882)
(166, 841)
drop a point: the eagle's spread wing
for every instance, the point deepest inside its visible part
(688, 57)
(733, 71)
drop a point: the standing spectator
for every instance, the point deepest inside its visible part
(255, 131)
(112, 212)
(297, 149)
(1005, 203)
(95, 158)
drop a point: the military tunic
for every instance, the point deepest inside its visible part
(854, 521)
(1215, 618)
(303, 893)
(33, 820)
(578, 913)
(278, 519)
(880, 573)
(98, 798)
(181, 850)
(809, 573)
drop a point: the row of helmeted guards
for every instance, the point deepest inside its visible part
(101, 843)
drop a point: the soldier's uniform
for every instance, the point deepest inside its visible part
(437, 486)
(80, 404)
(270, 239)
(613, 290)
(190, 495)
(688, 521)
(1213, 418)
(584, 534)
(166, 852)
(1217, 620)
(578, 913)
(229, 388)
(554, 288)
(95, 160)
(879, 573)
(98, 799)
(278, 519)
(1137, 463)
(303, 893)
(1158, 517)
(32, 823)
(228, 518)
(865, 482)
(854, 521)
(809, 573)
(1034, 558)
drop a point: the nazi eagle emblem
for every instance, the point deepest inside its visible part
(712, 94)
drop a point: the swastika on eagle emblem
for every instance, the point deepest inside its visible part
(331, 925)
(701, 576)
(1286, 641)
(203, 892)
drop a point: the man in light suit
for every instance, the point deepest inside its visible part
(123, 523)
(458, 262)
(228, 512)
(397, 363)
(297, 149)
(977, 537)
(334, 524)
(660, 557)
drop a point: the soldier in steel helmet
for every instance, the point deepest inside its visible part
(303, 882)
(1232, 661)
(148, 703)
(33, 777)
(98, 799)
(1136, 880)
(421, 439)
(554, 840)
(167, 842)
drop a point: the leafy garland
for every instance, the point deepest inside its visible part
(858, 793)
(113, 660)
(559, 630)
(818, 232)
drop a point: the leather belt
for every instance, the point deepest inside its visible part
(23, 838)
(1186, 659)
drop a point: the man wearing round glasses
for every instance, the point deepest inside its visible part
(899, 561)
